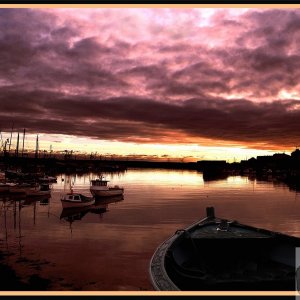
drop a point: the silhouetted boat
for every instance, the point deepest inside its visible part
(218, 254)
(99, 188)
(42, 190)
(76, 200)
(47, 179)
(42, 199)
(19, 188)
(12, 174)
(20, 176)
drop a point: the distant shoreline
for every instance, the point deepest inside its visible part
(110, 165)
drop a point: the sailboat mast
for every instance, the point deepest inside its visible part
(37, 147)
(12, 128)
(17, 148)
(23, 142)
(2, 142)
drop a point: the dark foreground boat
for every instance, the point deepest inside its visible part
(217, 254)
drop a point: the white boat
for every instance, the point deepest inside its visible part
(76, 200)
(99, 188)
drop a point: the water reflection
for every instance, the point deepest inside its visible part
(126, 233)
(12, 207)
(100, 207)
(44, 201)
(211, 176)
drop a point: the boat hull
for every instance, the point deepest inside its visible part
(72, 204)
(37, 193)
(207, 256)
(17, 190)
(107, 193)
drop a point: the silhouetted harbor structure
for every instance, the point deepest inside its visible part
(280, 166)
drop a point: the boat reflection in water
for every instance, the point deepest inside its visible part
(42, 199)
(15, 204)
(100, 207)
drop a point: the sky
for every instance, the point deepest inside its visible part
(190, 84)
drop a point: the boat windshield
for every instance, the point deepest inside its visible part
(99, 182)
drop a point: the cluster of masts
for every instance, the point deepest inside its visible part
(6, 143)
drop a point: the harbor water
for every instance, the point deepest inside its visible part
(109, 246)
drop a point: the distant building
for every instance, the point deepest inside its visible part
(276, 161)
(265, 158)
(281, 156)
(296, 154)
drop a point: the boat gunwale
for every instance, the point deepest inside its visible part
(162, 249)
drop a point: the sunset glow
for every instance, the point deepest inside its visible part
(184, 84)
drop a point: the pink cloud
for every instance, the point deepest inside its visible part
(141, 74)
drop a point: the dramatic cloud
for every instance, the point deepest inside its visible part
(153, 75)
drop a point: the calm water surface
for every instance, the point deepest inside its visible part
(109, 246)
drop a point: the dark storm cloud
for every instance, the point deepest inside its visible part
(152, 76)
(137, 119)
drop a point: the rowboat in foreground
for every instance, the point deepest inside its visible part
(76, 200)
(218, 254)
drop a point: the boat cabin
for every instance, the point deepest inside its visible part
(73, 197)
(99, 182)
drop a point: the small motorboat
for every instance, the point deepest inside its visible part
(99, 188)
(19, 188)
(217, 255)
(76, 200)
